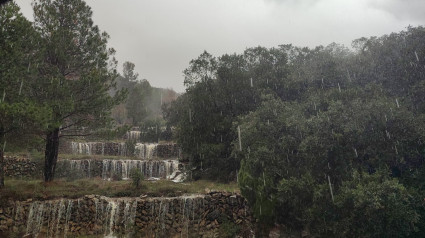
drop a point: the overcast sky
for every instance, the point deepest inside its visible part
(161, 36)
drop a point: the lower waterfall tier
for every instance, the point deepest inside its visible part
(141, 217)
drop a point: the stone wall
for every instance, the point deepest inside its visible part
(19, 167)
(167, 150)
(193, 216)
(116, 169)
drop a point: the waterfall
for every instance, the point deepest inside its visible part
(125, 217)
(130, 210)
(145, 150)
(80, 168)
(86, 148)
(133, 135)
(122, 149)
(149, 168)
(35, 217)
(50, 213)
(112, 211)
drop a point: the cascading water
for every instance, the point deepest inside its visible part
(119, 169)
(56, 214)
(99, 148)
(83, 148)
(151, 168)
(120, 217)
(83, 167)
(52, 218)
(133, 135)
(145, 151)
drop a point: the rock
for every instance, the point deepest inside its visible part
(305, 234)
(213, 215)
(9, 222)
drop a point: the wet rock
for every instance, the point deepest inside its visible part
(213, 215)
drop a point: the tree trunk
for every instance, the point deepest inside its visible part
(51, 155)
(1, 158)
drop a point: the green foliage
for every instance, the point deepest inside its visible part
(327, 135)
(151, 130)
(21, 115)
(227, 228)
(130, 146)
(218, 91)
(136, 103)
(375, 206)
(77, 70)
(136, 177)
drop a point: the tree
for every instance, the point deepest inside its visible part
(77, 73)
(20, 114)
(4, 2)
(218, 91)
(128, 72)
(332, 155)
(137, 108)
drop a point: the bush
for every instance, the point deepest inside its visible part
(227, 228)
(136, 176)
(130, 145)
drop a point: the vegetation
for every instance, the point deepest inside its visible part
(328, 140)
(75, 74)
(20, 115)
(136, 177)
(37, 189)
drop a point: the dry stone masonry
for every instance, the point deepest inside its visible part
(19, 167)
(107, 168)
(194, 216)
(144, 151)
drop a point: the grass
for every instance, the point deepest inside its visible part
(38, 190)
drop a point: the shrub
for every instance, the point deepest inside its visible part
(136, 176)
(227, 228)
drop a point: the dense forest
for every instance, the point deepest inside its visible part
(329, 139)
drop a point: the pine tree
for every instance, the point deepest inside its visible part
(20, 114)
(77, 73)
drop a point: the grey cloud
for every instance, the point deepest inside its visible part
(161, 36)
(412, 10)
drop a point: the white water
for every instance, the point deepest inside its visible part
(145, 150)
(150, 168)
(50, 212)
(98, 148)
(111, 217)
(133, 135)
